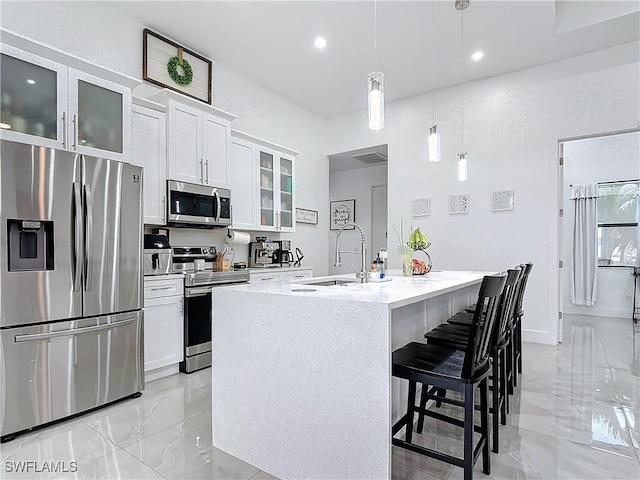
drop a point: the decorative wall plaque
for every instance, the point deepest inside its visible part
(421, 207)
(342, 213)
(172, 66)
(502, 201)
(459, 204)
(306, 216)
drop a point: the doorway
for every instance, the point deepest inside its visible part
(359, 176)
(612, 161)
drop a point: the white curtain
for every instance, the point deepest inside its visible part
(584, 268)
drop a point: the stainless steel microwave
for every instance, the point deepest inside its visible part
(191, 205)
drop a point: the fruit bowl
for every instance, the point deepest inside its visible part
(420, 267)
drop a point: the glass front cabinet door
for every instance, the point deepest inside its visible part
(45, 103)
(33, 99)
(277, 205)
(100, 116)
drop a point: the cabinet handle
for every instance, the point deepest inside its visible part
(64, 130)
(164, 210)
(181, 305)
(162, 288)
(75, 133)
(267, 278)
(206, 164)
(299, 276)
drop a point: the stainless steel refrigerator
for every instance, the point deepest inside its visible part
(71, 320)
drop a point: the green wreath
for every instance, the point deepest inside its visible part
(181, 79)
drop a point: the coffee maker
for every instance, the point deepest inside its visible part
(263, 254)
(284, 255)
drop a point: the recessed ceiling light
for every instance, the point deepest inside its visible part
(31, 82)
(5, 126)
(477, 56)
(320, 43)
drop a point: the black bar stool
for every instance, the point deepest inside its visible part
(455, 336)
(449, 369)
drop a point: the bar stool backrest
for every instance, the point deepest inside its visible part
(523, 283)
(476, 356)
(507, 306)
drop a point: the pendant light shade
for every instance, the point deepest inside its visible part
(434, 144)
(375, 90)
(461, 170)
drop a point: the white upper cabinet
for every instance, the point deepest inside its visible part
(49, 103)
(148, 150)
(242, 168)
(267, 171)
(198, 139)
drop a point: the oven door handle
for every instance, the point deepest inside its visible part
(197, 292)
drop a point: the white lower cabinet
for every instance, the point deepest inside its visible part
(163, 326)
(281, 276)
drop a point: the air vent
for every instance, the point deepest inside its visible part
(370, 157)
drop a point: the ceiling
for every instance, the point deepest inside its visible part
(375, 155)
(272, 42)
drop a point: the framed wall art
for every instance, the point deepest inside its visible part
(306, 216)
(172, 66)
(342, 213)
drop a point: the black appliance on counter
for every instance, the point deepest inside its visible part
(200, 279)
(283, 255)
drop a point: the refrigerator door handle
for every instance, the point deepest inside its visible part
(88, 240)
(77, 232)
(74, 331)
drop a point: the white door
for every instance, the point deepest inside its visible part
(242, 184)
(378, 219)
(148, 150)
(184, 139)
(163, 332)
(215, 142)
(100, 114)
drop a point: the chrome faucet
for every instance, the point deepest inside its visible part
(362, 274)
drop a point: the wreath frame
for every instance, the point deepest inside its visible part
(181, 79)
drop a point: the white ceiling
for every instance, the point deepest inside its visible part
(272, 42)
(346, 161)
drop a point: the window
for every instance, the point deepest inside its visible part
(618, 223)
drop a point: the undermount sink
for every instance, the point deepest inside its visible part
(329, 283)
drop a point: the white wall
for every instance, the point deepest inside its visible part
(354, 184)
(593, 160)
(512, 126)
(107, 38)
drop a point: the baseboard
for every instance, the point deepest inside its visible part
(598, 312)
(537, 336)
(161, 372)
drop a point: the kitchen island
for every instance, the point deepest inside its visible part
(302, 384)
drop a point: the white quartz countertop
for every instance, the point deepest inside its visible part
(397, 292)
(169, 276)
(278, 269)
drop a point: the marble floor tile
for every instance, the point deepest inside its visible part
(132, 420)
(70, 441)
(627, 386)
(528, 454)
(118, 465)
(263, 476)
(185, 451)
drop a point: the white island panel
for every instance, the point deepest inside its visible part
(302, 384)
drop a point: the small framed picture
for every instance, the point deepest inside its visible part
(342, 213)
(306, 216)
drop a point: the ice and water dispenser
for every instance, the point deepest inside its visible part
(30, 245)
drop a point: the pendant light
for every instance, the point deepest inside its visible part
(375, 83)
(433, 140)
(461, 166)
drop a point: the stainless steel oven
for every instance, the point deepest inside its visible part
(198, 287)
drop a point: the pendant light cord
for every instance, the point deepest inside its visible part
(375, 33)
(433, 55)
(462, 65)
